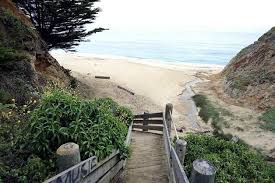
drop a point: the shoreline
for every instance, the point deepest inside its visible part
(174, 65)
(154, 85)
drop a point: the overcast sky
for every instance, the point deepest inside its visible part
(177, 15)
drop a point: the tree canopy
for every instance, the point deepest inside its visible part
(61, 23)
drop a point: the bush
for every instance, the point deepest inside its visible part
(10, 55)
(30, 134)
(5, 97)
(269, 118)
(209, 111)
(18, 31)
(97, 126)
(234, 162)
(240, 83)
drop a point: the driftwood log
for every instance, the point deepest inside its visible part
(68, 155)
(122, 88)
(102, 77)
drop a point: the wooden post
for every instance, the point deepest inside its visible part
(68, 155)
(145, 120)
(203, 172)
(168, 117)
(181, 149)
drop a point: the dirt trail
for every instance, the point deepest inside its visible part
(147, 163)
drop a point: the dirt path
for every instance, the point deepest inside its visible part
(147, 163)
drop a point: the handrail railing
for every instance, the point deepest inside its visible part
(203, 171)
(176, 171)
(174, 125)
(91, 171)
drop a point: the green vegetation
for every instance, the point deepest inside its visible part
(5, 97)
(31, 134)
(234, 162)
(240, 83)
(18, 31)
(10, 55)
(16, 165)
(67, 28)
(209, 112)
(11, 46)
(269, 118)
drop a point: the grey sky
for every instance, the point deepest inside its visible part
(176, 15)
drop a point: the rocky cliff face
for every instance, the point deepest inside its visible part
(250, 75)
(26, 67)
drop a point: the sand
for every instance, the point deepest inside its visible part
(154, 83)
(240, 121)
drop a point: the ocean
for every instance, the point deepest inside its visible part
(195, 47)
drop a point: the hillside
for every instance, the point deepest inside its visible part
(26, 66)
(250, 75)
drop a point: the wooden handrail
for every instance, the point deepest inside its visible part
(91, 171)
(176, 171)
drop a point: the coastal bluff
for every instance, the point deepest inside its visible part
(250, 75)
(26, 66)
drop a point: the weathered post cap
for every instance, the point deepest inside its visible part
(203, 172)
(169, 106)
(181, 142)
(181, 149)
(67, 149)
(204, 167)
(68, 155)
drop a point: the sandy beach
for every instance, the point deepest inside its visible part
(157, 83)
(153, 83)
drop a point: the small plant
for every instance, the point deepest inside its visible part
(16, 29)
(35, 169)
(208, 112)
(269, 118)
(11, 55)
(5, 97)
(235, 162)
(240, 83)
(73, 83)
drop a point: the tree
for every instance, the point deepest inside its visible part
(61, 23)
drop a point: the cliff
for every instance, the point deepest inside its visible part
(250, 75)
(26, 66)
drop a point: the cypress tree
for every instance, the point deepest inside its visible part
(61, 23)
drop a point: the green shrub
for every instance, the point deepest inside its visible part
(5, 97)
(28, 140)
(240, 83)
(73, 83)
(269, 118)
(35, 170)
(10, 55)
(96, 126)
(18, 31)
(234, 162)
(209, 111)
